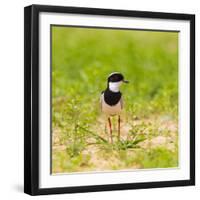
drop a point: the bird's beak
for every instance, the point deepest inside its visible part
(125, 81)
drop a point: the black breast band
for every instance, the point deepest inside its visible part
(112, 98)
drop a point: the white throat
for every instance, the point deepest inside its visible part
(114, 86)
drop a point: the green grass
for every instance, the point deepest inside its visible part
(81, 61)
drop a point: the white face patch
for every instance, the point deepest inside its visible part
(114, 86)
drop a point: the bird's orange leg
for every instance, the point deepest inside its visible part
(119, 121)
(110, 127)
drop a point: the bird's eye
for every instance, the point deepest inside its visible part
(114, 78)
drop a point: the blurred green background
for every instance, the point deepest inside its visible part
(82, 59)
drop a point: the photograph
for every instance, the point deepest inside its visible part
(114, 99)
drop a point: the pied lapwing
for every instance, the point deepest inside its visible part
(111, 100)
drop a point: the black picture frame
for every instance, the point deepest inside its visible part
(31, 98)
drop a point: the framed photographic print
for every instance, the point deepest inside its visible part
(109, 99)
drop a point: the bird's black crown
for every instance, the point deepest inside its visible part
(115, 77)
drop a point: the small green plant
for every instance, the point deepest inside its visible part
(129, 144)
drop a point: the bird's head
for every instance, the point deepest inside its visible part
(115, 79)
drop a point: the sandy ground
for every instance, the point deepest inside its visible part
(159, 132)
